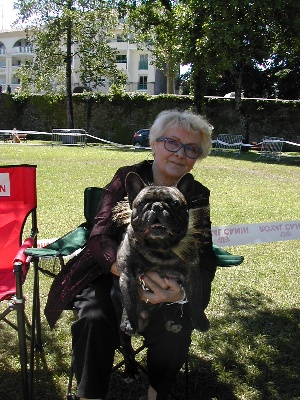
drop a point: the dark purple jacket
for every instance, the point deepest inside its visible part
(101, 249)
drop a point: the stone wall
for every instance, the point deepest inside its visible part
(117, 118)
(264, 117)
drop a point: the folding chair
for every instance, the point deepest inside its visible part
(229, 142)
(271, 147)
(73, 240)
(17, 202)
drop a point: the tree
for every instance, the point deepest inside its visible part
(156, 26)
(232, 38)
(61, 31)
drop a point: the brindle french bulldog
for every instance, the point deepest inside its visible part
(159, 225)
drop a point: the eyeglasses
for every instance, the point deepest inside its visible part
(173, 146)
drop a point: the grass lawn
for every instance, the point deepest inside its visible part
(252, 350)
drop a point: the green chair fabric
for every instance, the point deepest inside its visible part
(226, 259)
(63, 246)
(76, 239)
(92, 197)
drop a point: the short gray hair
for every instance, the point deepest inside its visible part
(186, 120)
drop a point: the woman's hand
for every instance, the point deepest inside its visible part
(162, 290)
(114, 269)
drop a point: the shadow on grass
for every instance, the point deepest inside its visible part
(251, 352)
(45, 385)
(256, 350)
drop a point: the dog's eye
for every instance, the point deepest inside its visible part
(174, 203)
(140, 204)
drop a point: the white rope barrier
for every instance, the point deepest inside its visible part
(254, 145)
(109, 142)
(227, 144)
(292, 143)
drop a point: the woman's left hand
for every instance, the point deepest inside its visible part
(162, 290)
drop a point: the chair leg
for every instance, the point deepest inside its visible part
(36, 343)
(36, 317)
(19, 306)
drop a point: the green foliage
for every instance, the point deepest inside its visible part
(89, 24)
(158, 30)
(226, 43)
(63, 32)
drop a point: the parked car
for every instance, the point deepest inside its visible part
(141, 138)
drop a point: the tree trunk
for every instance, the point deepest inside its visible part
(70, 116)
(170, 79)
(240, 108)
(199, 81)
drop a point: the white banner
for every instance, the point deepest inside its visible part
(4, 184)
(239, 235)
(264, 232)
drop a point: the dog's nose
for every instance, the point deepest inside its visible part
(157, 206)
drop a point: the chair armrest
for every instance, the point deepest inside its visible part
(22, 257)
(63, 246)
(225, 259)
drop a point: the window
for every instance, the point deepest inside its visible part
(120, 38)
(142, 85)
(121, 58)
(143, 64)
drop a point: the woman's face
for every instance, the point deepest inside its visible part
(169, 167)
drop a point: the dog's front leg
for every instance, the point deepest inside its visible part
(129, 322)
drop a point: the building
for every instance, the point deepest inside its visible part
(142, 76)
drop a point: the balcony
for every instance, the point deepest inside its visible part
(2, 51)
(15, 67)
(22, 50)
(121, 65)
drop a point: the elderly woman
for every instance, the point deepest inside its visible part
(178, 140)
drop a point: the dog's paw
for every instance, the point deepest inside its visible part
(171, 327)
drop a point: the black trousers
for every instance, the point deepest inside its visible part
(95, 338)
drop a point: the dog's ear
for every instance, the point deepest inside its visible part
(186, 185)
(134, 184)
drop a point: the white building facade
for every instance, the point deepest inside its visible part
(142, 75)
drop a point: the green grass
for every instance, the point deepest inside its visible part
(252, 350)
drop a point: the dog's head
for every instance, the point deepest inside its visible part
(160, 214)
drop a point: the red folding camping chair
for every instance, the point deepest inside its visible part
(18, 201)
